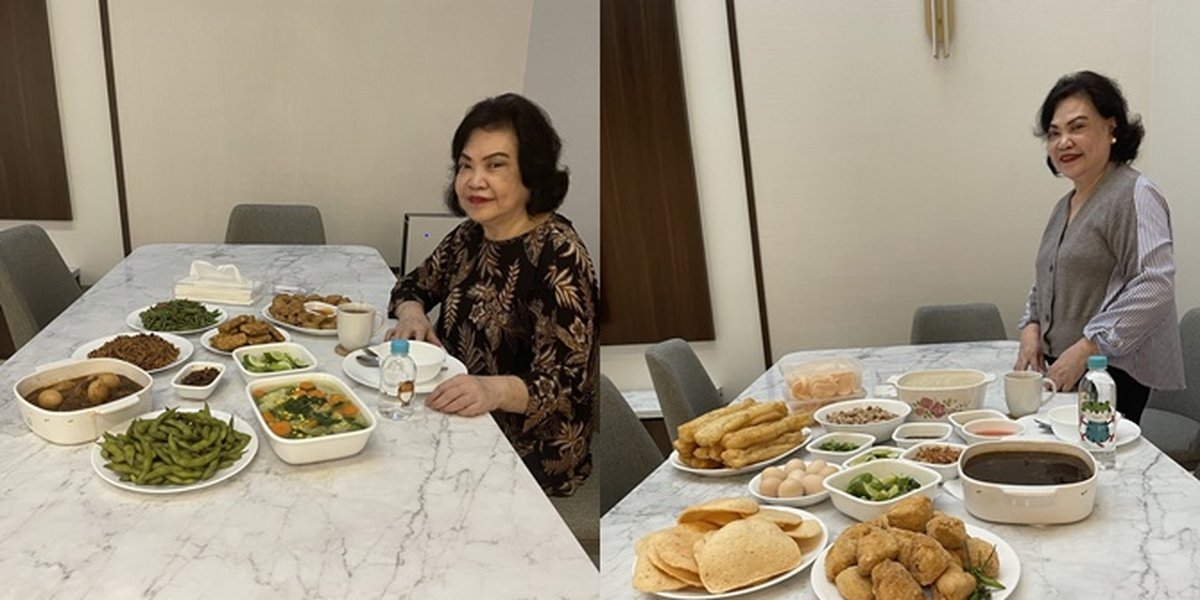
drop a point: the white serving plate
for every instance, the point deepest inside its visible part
(134, 321)
(266, 313)
(185, 348)
(805, 560)
(1127, 431)
(807, 500)
(205, 340)
(1010, 568)
(221, 475)
(369, 376)
(675, 462)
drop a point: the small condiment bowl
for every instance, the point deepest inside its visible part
(986, 430)
(865, 510)
(860, 440)
(874, 454)
(948, 470)
(963, 417)
(911, 434)
(806, 500)
(197, 392)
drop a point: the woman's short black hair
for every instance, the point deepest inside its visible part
(538, 148)
(1105, 95)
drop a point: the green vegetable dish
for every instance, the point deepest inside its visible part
(272, 361)
(836, 446)
(308, 410)
(174, 448)
(178, 315)
(869, 487)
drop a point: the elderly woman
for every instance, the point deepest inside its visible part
(1105, 274)
(517, 292)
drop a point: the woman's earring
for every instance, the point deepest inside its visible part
(1113, 141)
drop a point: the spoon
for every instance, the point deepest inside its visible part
(368, 361)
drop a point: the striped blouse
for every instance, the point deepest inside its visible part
(1109, 276)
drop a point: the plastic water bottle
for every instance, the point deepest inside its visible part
(397, 387)
(1098, 412)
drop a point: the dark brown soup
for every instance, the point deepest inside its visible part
(1027, 468)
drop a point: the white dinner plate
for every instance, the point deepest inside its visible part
(134, 321)
(369, 376)
(805, 560)
(1010, 568)
(185, 348)
(675, 462)
(266, 313)
(1127, 431)
(221, 475)
(206, 341)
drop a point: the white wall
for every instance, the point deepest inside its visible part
(92, 240)
(562, 74)
(735, 358)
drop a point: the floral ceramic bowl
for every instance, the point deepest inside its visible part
(934, 394)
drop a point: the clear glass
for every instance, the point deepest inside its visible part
(397, 387)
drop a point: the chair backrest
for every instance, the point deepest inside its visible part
(275, 224)
(945, 323)
(624, 451)
(35, 283)
(1186, 401)
(682, 385)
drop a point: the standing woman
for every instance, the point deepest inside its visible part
(1105, 272)
(517, 292)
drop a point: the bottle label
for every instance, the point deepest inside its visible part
(405, 391)
(1097, 418)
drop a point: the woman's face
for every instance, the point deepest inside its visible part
(1079, 140)
(488, 181)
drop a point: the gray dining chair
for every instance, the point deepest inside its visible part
(1171, 420)
(581, 510)
(35, 283)
(683, 387)
(275, 224)
(944, 323)
(625, 453)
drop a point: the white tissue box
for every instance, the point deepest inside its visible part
(222, 285)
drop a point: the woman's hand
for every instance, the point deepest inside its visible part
(1069, 367)
(470, 395)
(1030, 354)
(412, 325)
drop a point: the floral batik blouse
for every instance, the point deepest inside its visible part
(525, 306)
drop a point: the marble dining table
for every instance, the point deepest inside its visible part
(1141, 541)
(437, 506)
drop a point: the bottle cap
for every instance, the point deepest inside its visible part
(1097, 361)
(399, 346)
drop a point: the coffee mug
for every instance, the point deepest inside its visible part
(357, 323)
(1027, 391)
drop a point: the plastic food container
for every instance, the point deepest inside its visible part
(881, 430)
(257, 351)
(197, 392)
(310, 450)
(1029, 504)
(936, 393)
(86, 424)
(812, 384)
(865, 510)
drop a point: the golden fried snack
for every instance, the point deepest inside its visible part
(926, 559)
(854, 586)
(254, 340)
(874, 548)
(981, 553)
(743, 553)
(720, 509)
(904, 539)
(842, 555)
(954, 584)
(784, 520)
(233, 324)
(648, 578)
(891, 581)
(807, 535)
(689, 577)
(737, 459)
(857, 530)
(766, 432)
(701, 463)
(687, 432)
(911, 513)
(948, 531)
(227, 342)
(671, 551)
(711, 433)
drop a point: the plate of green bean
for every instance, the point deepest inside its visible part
(180, 317)
(174, 450)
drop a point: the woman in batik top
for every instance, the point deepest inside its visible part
(517, 292)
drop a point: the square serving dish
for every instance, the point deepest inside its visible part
(258, 351)
(316, 449)
(197, 392)
(865, 510)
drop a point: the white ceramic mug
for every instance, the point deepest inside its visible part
(357, 323)
(1027, 391)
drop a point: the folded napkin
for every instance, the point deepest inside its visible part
(223, 284)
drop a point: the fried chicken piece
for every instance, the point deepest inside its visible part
(854, 586)
(891, 581)
(874, 548)
(948, 531)
(984, 554)
(911, 513)
(233, 325)
(926, 559)
(254, 340)
(954, 584)
(842, 555)
(227, 342)
(255, 328)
